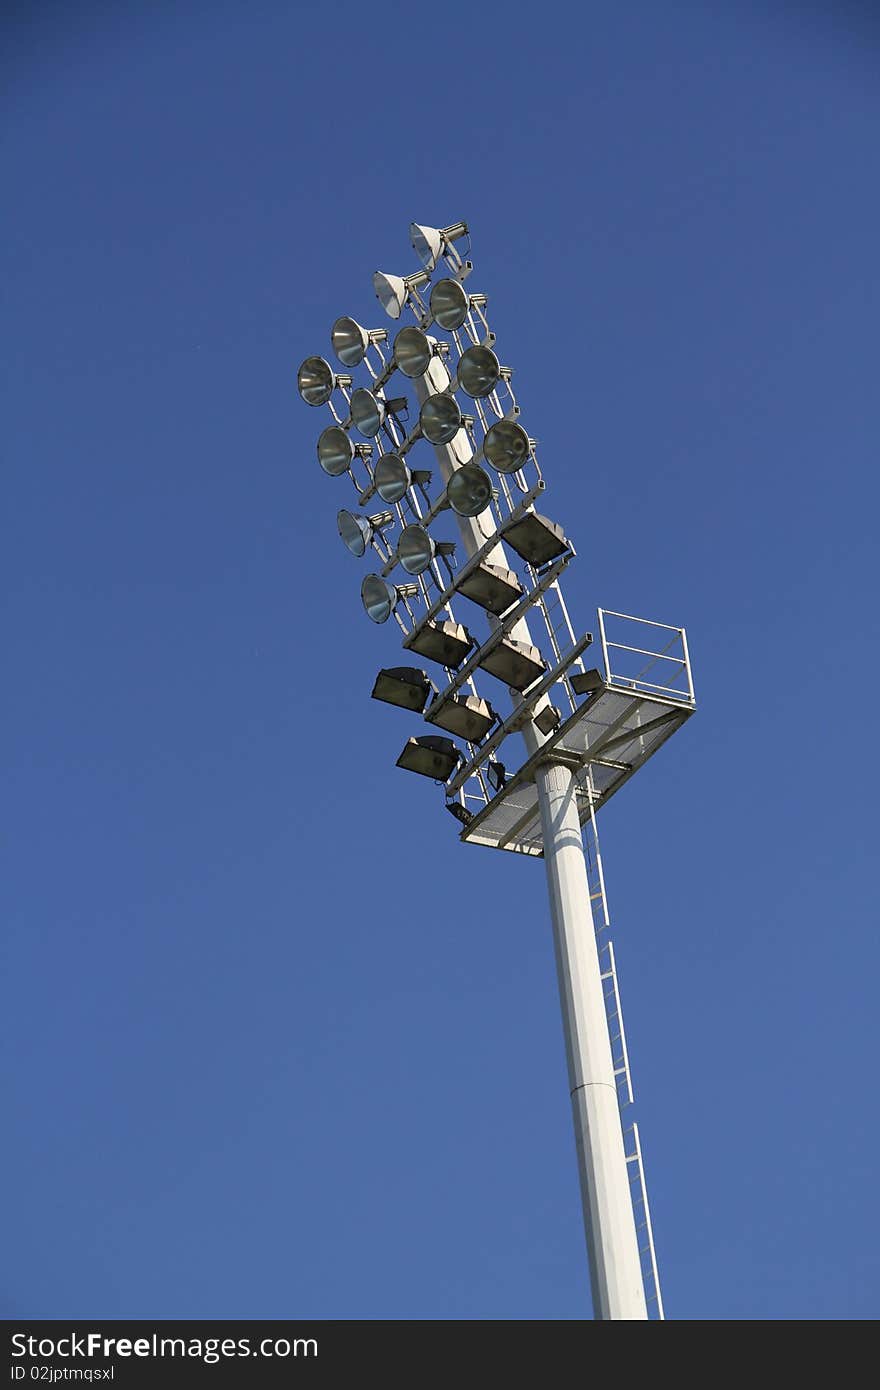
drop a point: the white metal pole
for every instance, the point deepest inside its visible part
(612, 1244)
(475, 531)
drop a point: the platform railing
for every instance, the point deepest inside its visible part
(648, 644)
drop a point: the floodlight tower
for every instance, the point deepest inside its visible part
(585, 731)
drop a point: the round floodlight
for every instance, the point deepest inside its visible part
(349, 341)
(367, 412)
(315, 381)
(506, 446)
(449, 304)
(390, 292)
(355, 531)
(427, 244)
(478, 371)
(412, 352)
(469, 490)
(415, 549)
(440, 418)
(392, 478)
(378, 597)
(335, 451)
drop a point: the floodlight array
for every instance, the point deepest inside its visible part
(464, 403)
(586, 730)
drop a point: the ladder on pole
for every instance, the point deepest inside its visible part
(620, 1058)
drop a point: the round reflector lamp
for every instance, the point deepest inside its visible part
(349, 341)
(506, 446)
(427, 244)
(469, 490)
(415, 549)
(449, 304)
(440, 418)
(390, 292)
(378, 597)
(355, 531)
(392, 478)
(412, 352)
(478, 371)
(335, 451)
(315, 381)
(367, 413)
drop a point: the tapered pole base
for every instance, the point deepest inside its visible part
(612, 1244)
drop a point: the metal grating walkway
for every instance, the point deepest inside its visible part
(609, 737)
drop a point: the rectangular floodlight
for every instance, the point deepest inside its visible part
(465, 715)
(446, 642)
(496, 775)
(536, 539)
(585, 682)
(430, 756)
(406, 686)
(548, 719)
(515, 663)
(492, 587)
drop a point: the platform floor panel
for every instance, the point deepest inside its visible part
(608, 738)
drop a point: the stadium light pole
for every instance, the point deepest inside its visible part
(553, 795)
(609, 1223)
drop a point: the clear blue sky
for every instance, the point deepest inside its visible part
(277, 1044)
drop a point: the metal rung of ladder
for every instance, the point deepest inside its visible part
(620, 1062)
(644, 1229)
(614, 1015)
(595, 876)
(560, 633)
